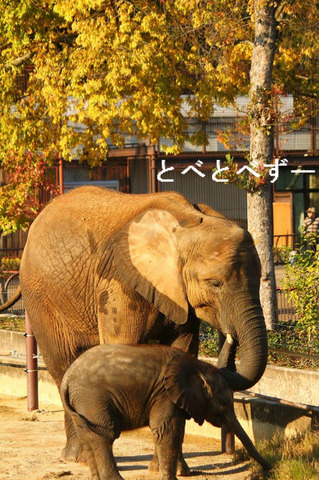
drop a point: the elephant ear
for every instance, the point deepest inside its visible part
(147, 259)
(187, 387)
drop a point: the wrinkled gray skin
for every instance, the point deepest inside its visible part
(106, 267)
(165, 385)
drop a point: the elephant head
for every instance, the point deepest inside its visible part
(199, 389)
(201, 265)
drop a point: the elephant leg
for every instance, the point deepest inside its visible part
(105, 461)
(168, 460)
(90, 457)
(182, 468)
(73, 450)
(167, 465)
(99, 454)
(56, 344)
(153, 465)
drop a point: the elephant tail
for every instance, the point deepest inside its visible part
(80, 420)
(17, 295)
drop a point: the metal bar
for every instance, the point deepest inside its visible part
(294, 354)
(228, 440)
(32, 367)
(13, 275)
(301, 406)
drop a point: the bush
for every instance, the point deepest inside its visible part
(301, 283)
(208, 340)
(10, 264)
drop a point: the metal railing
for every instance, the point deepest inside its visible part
(280, 245)
(286, 310)
(286, 240)
(9, 282)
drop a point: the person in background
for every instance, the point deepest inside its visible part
(311, 222)
(311, 228)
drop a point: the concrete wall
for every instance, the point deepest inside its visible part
(13, 381)
(12, 342)
(291, 384)
(260, 418)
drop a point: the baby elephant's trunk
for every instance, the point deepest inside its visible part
(248, 444)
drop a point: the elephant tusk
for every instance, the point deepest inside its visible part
(229, 339)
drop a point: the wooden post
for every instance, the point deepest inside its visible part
(151, 169)
(61, 190)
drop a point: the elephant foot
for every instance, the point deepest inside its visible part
(73, 452)
(153, 465)
(182, 468)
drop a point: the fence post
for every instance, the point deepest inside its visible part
(31, 367)
(227, 436)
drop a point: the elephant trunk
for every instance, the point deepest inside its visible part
(251, 340)
(248, 444)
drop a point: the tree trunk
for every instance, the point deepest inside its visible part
(261, 149)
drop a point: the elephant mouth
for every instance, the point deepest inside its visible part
(208, 313)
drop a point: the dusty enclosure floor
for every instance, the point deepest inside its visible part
(30, 445)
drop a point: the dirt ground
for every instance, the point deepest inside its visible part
(30, 445)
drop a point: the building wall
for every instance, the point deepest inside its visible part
(227, 199)
(111, 170)
(138, 175)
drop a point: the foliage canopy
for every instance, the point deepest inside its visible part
(102, 68)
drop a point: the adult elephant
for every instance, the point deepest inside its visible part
(106, 267)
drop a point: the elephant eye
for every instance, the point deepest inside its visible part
(213, 282)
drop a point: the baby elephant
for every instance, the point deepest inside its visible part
(111, 388)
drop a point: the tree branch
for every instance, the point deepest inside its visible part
(19, 61)
(5, 45)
